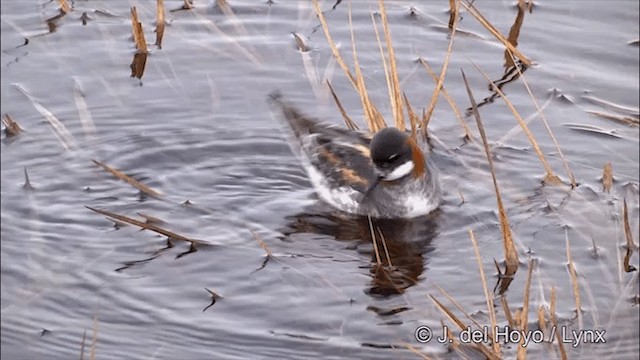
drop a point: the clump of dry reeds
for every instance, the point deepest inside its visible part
(399, 104)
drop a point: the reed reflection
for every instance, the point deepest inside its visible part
(398, 248)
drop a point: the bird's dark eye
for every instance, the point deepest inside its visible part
(392, 157)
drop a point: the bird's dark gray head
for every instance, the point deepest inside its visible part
(391, 153)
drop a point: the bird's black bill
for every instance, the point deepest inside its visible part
(372, 187)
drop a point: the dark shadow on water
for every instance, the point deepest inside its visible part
(403, 245)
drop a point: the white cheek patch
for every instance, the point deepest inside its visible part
(401, 171)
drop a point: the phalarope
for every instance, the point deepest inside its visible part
(387, 176)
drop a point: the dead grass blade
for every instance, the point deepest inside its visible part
(145, 226)
(459, 307)
(83, 109)
(454, 10)
(554, 320)
(524, 315)
(372, 116)
(140, 57)
(347, 120)
(488, 296)
(550, 177)
(510, 253)
(391, 72)
(624, 120)
(159, 23)
(449, 99)
(627, 110)
(514, 34)
(129, 180)
(386, 250)
(607, 178)
(332, 45)
(224, 7)
(11, 128)
(486, 351)
(413, 117)
(484, 22)
(248, 53)
(443, 72)
(544, 120)
(262, 244)
(542, 323)
(375, 242)
(629, 237)
(574, 280)
(64, 6)
(138, 34)
(507, 311)
(66, 139)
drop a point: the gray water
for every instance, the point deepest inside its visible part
(197, 128)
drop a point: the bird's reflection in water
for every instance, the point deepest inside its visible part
(402, 244)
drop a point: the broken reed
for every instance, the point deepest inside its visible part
(510, 253)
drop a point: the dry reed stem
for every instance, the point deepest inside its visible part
(627, 227)
(607, 178)
(386, 251)
(550, 177)
(372, 116)
(454, 10)
(634, 111)
(631, 246)
(507, 311)
(554, 320)
(84, 338)
(11, 127)
(187, 5)
(83, 109)
(375, 243)
(542, 322)
(145, 226)
(443, 72)
(488, 352)
(459, 307)
(262, 244)
(332, 45)
(396, 94)
(510, 253)
(248, 53)
(64, 6)
(473, 11)
(413, 117)
(159, 23)
(488, 297)
(524, 315)
(94, 339)
(129, 180)
(452, 104)
(625, 120)
(574, 279)
(547, 127)
(350, 124)
(300, 44)
(138, 34)
(66, 139)
(223, 5)
(309, 67)
(387, 73)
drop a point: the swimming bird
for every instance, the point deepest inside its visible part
(384, 176)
